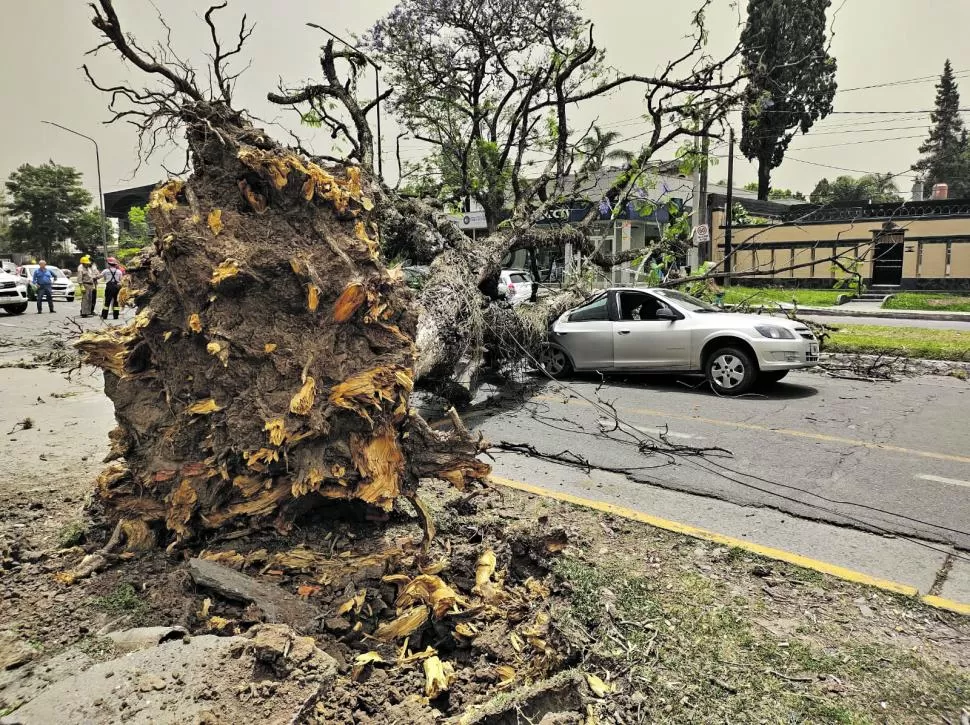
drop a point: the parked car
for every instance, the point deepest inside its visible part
(662, 330)
(515, 285)
(13, 293)
(7, 265)
(62, 287)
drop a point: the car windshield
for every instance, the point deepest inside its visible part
(691, 304)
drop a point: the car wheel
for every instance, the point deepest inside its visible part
(773, 376)
(731, 371)
(15, 309)
(555, 361)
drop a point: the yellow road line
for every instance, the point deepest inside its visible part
(769, 552)
(779, 431)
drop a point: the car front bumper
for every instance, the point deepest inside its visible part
(786, 354)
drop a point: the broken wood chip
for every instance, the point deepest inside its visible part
(438, 677)
(431, 590)
(361, 661)
(194, 322)
(303, 401)
(404, 625)
(349, 301)
(484, 570)
(215, 221)
(204, 407)
(224, 270)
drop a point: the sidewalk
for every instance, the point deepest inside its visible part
(910, 567)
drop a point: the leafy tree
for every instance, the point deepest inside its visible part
(46, 203)
(597, 152)
(86, 234)
(138, 234)
(478, 81)
(946, 152)
(791, 79)
(872, 188)
(776, 194)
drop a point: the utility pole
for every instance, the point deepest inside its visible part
(729, 211)
(97, 159)
(699, 215)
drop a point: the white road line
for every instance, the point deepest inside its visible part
(940, 479)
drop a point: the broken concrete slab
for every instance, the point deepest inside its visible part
(25, 683)
(277, 605)
(14, 651)
(202, 679)
(132, 640)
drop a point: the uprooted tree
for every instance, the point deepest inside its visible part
(269, 368)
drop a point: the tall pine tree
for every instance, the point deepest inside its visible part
(791, 78)
(946, 153)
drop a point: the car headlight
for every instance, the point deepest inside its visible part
(775, 332)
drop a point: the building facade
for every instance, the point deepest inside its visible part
(922, 245)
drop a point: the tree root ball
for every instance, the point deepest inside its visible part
(269, 366)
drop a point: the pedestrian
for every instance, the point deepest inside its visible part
(43, 280)
(87, 277)
(112, 279)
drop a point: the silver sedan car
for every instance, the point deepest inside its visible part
(662, 330)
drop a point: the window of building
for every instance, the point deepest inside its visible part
(949, 258)
(919, 259)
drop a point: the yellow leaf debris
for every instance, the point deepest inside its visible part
(270, 347)
(195, 322)
(431, 590)
(599, 688)
(164, 197)
(277, 431)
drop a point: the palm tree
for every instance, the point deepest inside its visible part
(596, 150)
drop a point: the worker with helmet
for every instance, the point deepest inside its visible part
(88, 276)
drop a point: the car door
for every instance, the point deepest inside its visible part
(587, 335)
(641, 341)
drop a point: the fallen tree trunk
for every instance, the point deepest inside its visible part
(269, 368)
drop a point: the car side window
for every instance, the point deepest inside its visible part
(595, 310)
(639, 307)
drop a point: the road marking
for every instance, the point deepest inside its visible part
(941, 479)
(779, 431)
(791, 557)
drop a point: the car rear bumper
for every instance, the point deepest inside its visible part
(786, 354)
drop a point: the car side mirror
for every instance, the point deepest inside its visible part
(665, 313)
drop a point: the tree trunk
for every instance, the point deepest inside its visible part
(268, 371)
(764, 179)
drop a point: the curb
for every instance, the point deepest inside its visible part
(886, 314)
(768, 552)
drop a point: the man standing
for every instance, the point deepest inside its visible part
(112, 285)
(87, 277)
(43, 279)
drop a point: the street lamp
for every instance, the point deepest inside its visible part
(377, 91)
(97, 158)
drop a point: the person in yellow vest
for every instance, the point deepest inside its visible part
(87, 277)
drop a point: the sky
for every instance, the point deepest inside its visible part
(43, 42)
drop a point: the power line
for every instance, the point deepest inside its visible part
(903, 82)
(856, 143)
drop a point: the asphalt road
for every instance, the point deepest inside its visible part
(889, 457)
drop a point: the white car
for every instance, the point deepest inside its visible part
(663, 330)
(62, 287)
(515, 285)
(13, 294)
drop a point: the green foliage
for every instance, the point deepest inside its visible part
(46, 203)
(777, 194)
(137, 235)
(791, 78)
(927, 301)
(742, 217)
(905, 341)
(72, 534)
(874, 188)
(87, 232)
(849, 276)
(946, 152)
(122, 600)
